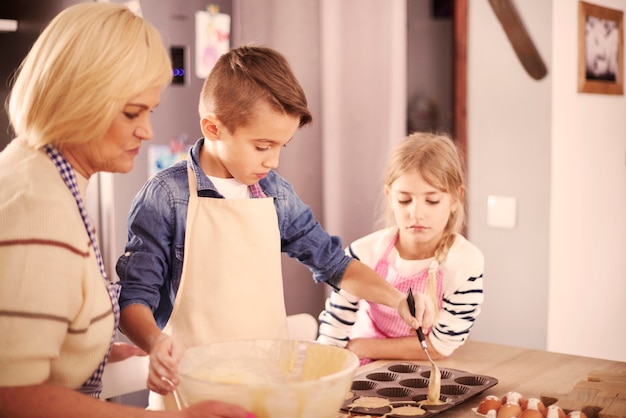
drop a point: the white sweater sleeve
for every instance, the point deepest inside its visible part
(337, 318)
(462, 298)
(340, 312)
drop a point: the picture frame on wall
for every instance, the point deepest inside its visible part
(600, 49)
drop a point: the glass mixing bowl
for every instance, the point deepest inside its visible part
(270, 378)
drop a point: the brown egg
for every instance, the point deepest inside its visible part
(536, 404)
(554, 411)
(489, 403)
(510, 410)
(515, 397)
(576, 414)
(531, 413)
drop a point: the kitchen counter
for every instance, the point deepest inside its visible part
(533, 373)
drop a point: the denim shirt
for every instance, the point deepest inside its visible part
(151, 267)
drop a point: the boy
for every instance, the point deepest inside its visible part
(239, 216)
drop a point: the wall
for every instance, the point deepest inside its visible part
(509, 120)
(556, 280)
(587, 205)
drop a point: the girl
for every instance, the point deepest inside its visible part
(423, 250)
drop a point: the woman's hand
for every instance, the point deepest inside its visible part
(164, 359)
(121, 351)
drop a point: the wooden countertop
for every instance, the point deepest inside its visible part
(533, 373)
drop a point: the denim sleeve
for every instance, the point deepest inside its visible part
(148, 263)
(303, 238)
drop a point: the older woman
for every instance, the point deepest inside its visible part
(80, 104)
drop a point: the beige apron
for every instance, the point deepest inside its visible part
(231, 284)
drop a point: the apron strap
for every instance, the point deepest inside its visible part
(93, 385)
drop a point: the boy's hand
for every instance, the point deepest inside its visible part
(164, 359)
(424, 311)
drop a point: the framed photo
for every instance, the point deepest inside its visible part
(600, 49)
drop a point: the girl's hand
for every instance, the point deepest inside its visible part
(121, 351)
(164, 359)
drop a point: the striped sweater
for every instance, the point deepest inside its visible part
(56, 319)
(462, 293)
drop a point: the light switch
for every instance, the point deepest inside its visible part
(501, 211)
(8, 25)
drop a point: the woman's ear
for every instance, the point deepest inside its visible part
(209, 127)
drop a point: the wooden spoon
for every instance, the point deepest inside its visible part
(520, 39)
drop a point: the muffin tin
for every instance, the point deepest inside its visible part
(406, 385)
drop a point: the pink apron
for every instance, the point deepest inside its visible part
(93, 385)
(379, 321)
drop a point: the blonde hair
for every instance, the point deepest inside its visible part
(85, 66)
(439, 162)
(244, 76)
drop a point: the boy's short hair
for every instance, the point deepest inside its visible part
(245, 75)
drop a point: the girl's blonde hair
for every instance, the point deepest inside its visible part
(85, 66)
(439, 162)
